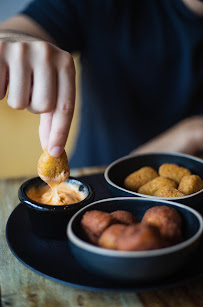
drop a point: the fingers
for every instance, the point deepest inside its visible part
(3, 81)
(45, 128)
(43, 99)
(41, 79)
(3, 71)
(63, 113)
(19, 86)
(32, 75)
(15, 69)
(44, 89)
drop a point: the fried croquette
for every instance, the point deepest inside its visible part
(173, 171)
(190, 184)
(152, 186)
(138, 178)
(124, 217)
(94, 222)
(167, 220)
(168, 191)
(109, 236)
(52, 169)
(139, 237)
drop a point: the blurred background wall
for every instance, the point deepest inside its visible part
(20, 147)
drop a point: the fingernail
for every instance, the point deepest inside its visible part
(56, 151)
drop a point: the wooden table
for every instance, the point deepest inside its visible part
(22, 287)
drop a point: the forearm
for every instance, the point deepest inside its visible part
(16, 36)
(186, 137)
(23, 28)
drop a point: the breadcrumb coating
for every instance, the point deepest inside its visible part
(168, 191)
(109, 237)
(139, 237)
(94, 222)
(52, 169)
(152, 186)
(138, 178)
(190, 184)
(124, 217)
(173, 171)
(167, 220)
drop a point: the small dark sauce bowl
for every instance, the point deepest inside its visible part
(47, 220)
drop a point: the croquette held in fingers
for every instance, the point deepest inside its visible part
(173, 171)
(53, 169)
(190, 184)
(138, 178)
(152, 186)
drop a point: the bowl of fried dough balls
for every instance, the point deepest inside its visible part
(169, 176)
(134, 238)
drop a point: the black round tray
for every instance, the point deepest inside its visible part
(53, 259)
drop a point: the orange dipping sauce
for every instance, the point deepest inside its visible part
(62, 194)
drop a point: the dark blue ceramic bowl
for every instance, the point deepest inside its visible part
(117, 171)
(140, 266)
(51, 221)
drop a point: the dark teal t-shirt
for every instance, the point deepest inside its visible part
(142, 68)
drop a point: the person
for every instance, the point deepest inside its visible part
(142, 74)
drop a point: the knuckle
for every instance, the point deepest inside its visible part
(20, 51)
(67, 108)
(37, 108)
(16, 104)
(32, 110)
(2, 47)
(46, 108)
(68, 62)
(40, 44)
(45, 51)
(21, 48)
(60, 134)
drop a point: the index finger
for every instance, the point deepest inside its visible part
(45, 128)
(63, 113)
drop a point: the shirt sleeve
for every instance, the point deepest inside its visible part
(62, 19)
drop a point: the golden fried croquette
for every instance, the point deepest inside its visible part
(168, 191)
(190, 184)
(135, 180)
(109, 236)
(52, 169)
(124, 217)
(152, 186)
(139, 237)
(167, 220)
(94, 222)
(173, 171)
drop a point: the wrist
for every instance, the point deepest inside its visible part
(16, 36)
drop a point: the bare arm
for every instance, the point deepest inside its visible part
(17, 26)
(185, 137)
(41, 78)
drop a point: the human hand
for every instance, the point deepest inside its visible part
(185, 137)
(41, 79)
